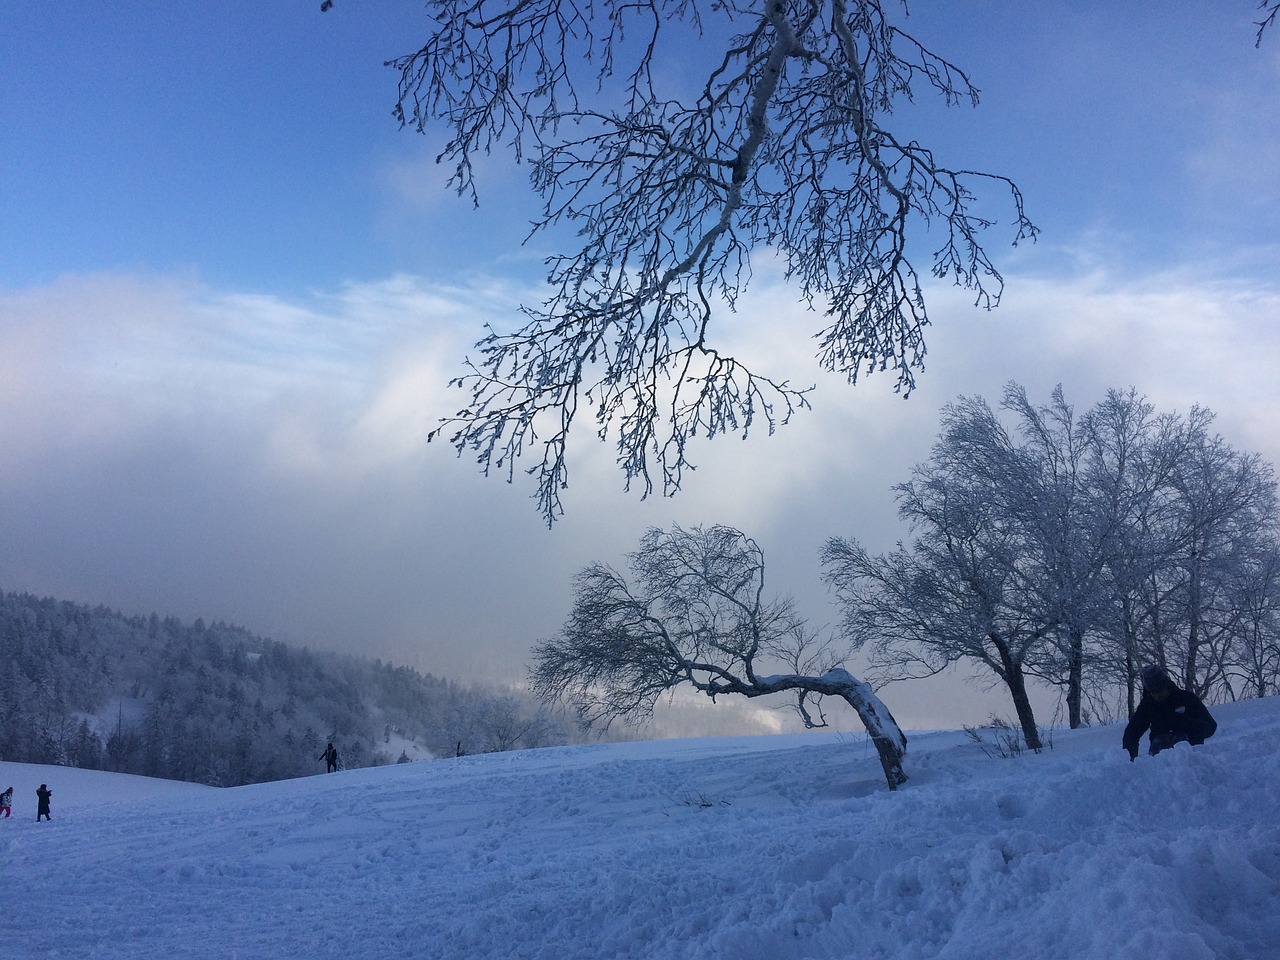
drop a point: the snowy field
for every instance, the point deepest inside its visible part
(764, 847)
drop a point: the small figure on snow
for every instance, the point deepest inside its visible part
(330, 757)
(1169, 712)
(42, 803)
(6, 802)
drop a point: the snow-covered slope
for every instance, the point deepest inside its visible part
(763, 847)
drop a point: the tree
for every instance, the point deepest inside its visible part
(1189, 517)
(671, 184)
(500, 723)
(1221, 509)
(671, 181)
(1057, 558)
(1073, 552)
(956, 591)
(1257, 596)
(216, 705)
(1132, 453)
(696, 616)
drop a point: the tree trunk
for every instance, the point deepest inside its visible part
(1130, 646)
(890, 742)
(1130, 681)
(1191, 667)
(1016, 681)
(1075, 680)
(1022, 704)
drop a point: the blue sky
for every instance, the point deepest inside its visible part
(251, 144)
(232, 290)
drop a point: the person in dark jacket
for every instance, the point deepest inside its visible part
(1169, 712)
(42, 803)
(330, 757)
(6, 802)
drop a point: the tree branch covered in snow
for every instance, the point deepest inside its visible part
(671, 180)
(1074, 550)
(696, 617)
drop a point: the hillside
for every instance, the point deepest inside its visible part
(761, 848)
(212, 703)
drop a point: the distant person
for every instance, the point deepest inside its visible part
(42, 803)
(6, 802)
(330, 757)
(1173, 715)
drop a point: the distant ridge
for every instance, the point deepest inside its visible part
(211, 703)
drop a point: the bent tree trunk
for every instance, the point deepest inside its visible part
(890, 742)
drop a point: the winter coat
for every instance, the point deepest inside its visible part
(42, 800)
(1181, 715)
(330, 756)
(6, 798)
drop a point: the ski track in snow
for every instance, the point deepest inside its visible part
(737, 848)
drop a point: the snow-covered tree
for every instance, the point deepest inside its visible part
(1220, 505)
(671, 142)
(1072, 550)
(775, 133)
(955, 592)
(1256, 595)
(493, 724)
(695, 614)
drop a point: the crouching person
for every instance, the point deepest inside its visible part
(1169, 712)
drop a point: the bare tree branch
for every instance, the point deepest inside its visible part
(696, 617)
(1270, 9)
(670, 188)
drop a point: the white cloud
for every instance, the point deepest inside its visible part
(168, 447)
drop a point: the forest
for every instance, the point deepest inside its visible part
(212, 703)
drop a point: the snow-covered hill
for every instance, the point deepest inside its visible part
(763, 847)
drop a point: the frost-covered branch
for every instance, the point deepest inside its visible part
(696, 617)
(669, 185)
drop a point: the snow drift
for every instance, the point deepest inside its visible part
(737, 848)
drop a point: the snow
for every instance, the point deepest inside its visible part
(770, 847)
